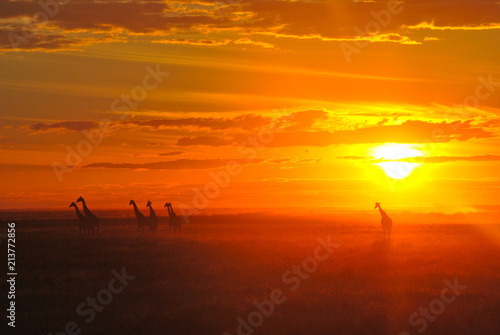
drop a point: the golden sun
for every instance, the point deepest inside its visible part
(395, 160)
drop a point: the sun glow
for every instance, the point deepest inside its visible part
(395, 160)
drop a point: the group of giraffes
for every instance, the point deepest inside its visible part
(89, 223)
(151, 222)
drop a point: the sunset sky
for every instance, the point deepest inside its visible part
(306, 100)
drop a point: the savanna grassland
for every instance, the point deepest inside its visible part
(203, 279)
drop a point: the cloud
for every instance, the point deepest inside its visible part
(136, 16)
(212, 141)
(304, 128)
(373, 38)
(430, 159)
(305, 119)
(345, 20)
(171, 153)
(180, 164)
(300, 133)
(90, 16)
(215, 42)
(63, 126)
(325, 20)
(408, 132)
(294, 160)
(12, 38)
(203, 42)
(247, 121)
(432, 26)
(162, 154)
(248, 41)
(443, 159)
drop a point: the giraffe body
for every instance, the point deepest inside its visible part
(153, 219)
(91, 219)
(386, 221)
(173, 220)
(82, 221)
(141, 219)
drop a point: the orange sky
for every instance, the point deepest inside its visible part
(296, 95)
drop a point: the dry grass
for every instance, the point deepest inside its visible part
(201, 280)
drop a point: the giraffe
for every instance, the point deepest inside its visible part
(92, 220)
(174, 220)
(82, 222)
(153, 219)
(386, 220)
(141, 219)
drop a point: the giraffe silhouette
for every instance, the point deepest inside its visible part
(153, 219)
(141, 219)
(92, 220)
(386, 220)
(82, 222)
(174, 221)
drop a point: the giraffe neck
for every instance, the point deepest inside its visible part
(172, 212)
(382, 212)
(136, 210)
(85, 208)
(151, 211)
(78, 213)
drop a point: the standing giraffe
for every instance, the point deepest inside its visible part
(82, 222)
(174, 220)
(386, 220)
(92, 220)
(153, 219)
(141, 219)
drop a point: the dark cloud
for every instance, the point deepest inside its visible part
(324, 19)
(136, 16)
(61, 126)
(180, 164)
(213, 141)
(304, 120)
(171, 153)
(337, 19)
(407, 132)
(244, 122)
(293, 160)
(296, 130)
(13, 39)
(163, 154)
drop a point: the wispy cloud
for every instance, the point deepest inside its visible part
(432, 26)
(429, 159)
(213, 141)
(180, 164)
(63, 126)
